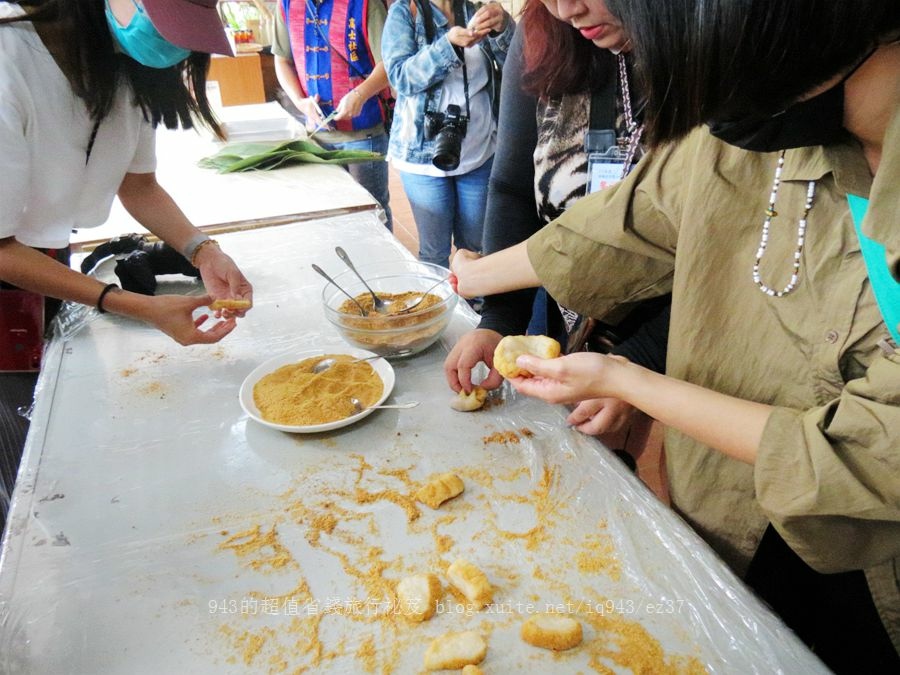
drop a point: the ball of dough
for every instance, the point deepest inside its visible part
(513, 346)
(464, 402)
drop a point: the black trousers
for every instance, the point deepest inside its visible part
(16, 391)
(832, 613)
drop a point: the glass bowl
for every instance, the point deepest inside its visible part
(392, 335)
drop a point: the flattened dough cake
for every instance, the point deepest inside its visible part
(453, 651)
(552, 631)
(230, 303)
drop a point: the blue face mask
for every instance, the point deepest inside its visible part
(142, 42)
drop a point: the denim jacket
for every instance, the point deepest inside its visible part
(414, 68)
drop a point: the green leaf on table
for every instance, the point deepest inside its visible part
(267, 155)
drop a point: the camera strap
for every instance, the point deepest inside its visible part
(459, 19)
(427, 19)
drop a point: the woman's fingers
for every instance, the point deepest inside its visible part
(489, 18)
(219, 330)
(548, 368)
(584, 411)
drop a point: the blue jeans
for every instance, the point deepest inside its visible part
(448, 210)
(373, 176)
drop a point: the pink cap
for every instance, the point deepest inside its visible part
(191, 24)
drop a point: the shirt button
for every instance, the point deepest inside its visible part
(831, 336)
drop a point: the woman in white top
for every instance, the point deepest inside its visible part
(82, 86)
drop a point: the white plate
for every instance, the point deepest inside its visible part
(381, 366)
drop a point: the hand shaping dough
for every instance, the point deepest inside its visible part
(455, 650)
(552, 631)
(418, 596)
(464, 402)
(513, 346)
(471, 582)
(439, 489)
(233, 303)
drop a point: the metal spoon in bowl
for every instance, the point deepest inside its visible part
(418, 302)
(358, 406)
(325, 364)
(381, 306)
(362, 310)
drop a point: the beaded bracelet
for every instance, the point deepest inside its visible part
(106, 289)
(188, 250)
(198, 249)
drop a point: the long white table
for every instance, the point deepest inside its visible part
(215, 201)
(156, 529)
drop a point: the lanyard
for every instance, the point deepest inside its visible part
(886, 290)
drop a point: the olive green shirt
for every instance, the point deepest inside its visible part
(376, 13)
(827, 474)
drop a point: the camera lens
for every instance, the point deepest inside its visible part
(447, 147)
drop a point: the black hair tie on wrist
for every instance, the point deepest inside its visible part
(106, 289)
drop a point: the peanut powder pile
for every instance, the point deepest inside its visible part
(396, 329)
(295, 395)
(396, 304)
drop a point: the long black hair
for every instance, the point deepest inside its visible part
(84, 46)
(704, 60)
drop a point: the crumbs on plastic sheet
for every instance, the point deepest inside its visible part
(154, 389)
(501, 437)
(259, 549)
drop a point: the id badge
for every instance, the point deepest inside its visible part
(604, 170)
(606, 161)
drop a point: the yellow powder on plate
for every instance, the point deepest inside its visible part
(294, 395)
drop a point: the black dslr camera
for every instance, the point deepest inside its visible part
(448, 130)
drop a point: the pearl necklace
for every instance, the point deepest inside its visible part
(801, 234)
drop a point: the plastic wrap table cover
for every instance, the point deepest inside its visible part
(156, 529)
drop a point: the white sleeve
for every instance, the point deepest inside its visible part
(15, 162)
(144, 160)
